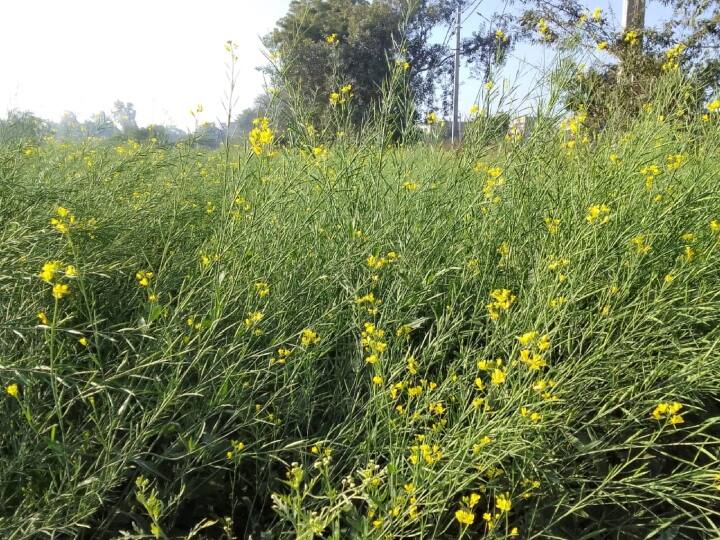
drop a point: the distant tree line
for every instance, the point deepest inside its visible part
(320, 46)
(120, 125)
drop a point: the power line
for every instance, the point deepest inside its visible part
(471, 10)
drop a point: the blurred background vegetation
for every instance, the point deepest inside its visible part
(368, 38)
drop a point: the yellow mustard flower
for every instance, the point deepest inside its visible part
(63, 220)
(501, 300)
(59, 290)
(309, 337)
(253, 318)
(261, 136)
(49, 270)
(143, 277)
(465, 517)
(12, 390)
(498, 376)
(410, 186)
(598, 213)
(262, 289)
(503, 503)
(632, 37)
(641, 245)
(552, 224)
(544, 29)
(669, 410)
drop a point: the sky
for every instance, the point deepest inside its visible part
(167, 56)
(164, 56)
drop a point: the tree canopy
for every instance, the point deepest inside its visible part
(632, 59)
(321, 45)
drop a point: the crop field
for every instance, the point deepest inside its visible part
(357, 339)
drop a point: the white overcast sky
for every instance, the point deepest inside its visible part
(165, 56)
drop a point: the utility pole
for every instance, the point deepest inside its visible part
(633, 15)
(455, 133)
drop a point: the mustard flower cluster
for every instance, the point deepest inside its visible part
(369, 302)
(51, 272)
(373, 342)
(500, 301)
(598, 214)
(342, 96)
(669, 411)
(632, 37)
(493, 180)
(379, 262)
(63, 220)
(650, 172)
(672, 57)
(261, 137)
(535, 345)
(544, 30)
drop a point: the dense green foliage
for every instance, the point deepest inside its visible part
(628, 62)
(327, 344)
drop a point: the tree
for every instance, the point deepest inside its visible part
(124, 116)
(69, 127)
(321, 45)
(316, 64)
(688, 40)
(23, 125)
(208, 135)
(100, 125)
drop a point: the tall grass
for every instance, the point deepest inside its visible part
(178, 416)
